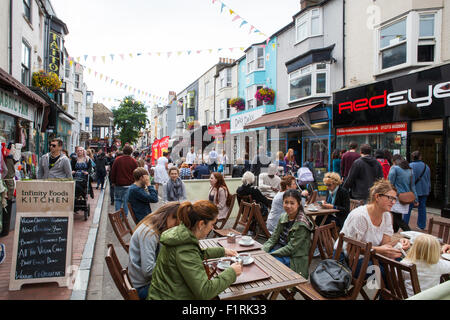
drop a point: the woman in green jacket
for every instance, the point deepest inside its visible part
(291, 240)
(179, 273)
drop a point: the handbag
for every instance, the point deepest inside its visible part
(407, 197)
(331, 278)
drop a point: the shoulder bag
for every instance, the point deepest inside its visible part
(407, 197)
(421, 175)
(331, 278)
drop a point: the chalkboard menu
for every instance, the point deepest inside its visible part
(42, 247)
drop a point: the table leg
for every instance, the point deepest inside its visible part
(274, 295)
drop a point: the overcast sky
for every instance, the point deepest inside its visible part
(103, 27)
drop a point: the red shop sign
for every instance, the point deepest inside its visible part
(379, 128)
(219, 129)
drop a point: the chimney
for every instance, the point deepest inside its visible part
(308, 3)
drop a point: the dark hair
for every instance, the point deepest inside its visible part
(388, 156)
(379, 154)
(157, 221)
(286, 181)
(191, 213)
(415, 156)
(296, 195)
(221, 184)
(353, 145)
(366, 149)
(165, 153)
(336, 154)
(401, 162)
(59, 140)
(136, 154)
(127, 150)
(139, 172)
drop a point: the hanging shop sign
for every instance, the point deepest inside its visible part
(239, 120)
(54, 46)
(15, 106)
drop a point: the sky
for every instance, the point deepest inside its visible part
(104, 27)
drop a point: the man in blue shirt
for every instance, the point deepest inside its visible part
(422, 176)
(141, 194)
(201, 169)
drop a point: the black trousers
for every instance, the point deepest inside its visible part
(398, 222)
(6, 219)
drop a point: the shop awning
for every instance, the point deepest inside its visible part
(280, 118)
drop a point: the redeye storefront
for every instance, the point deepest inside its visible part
(402, 115)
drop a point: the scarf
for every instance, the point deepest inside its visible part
(174, 189)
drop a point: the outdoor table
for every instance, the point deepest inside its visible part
(319, 212)
(214, 242)
(281, 278)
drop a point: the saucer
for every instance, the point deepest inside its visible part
(250, 243)
(222, 266)
(446, 256)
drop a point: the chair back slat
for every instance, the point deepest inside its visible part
(230, 209)
(260, 221)
(120, 227)
(443, 231)
(132, 293)
(324, 238)
(355, 204)
(133, 216)
(394, 288)
(115, 269)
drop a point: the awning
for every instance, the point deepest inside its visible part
(280, 118)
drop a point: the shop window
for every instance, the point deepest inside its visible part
(309, 81)
(7, 129)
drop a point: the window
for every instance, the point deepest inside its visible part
(255, 59)
(251, 100)
(224, 109)
(96, 132)
(76, 109)
(309, 25)
(393, 44)
(27, 9)
(67, 69)
(309, 81)
(426, 45)
(26, 62)
(225, 78)
(207, 117)
(77, 81)
(207, 93)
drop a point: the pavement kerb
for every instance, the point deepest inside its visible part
(79, 291)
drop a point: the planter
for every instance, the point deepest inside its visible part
(265, 95)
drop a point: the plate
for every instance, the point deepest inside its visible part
(246, 244)
(314, 209)
(446, 256)
(411, 234)
(249, 261)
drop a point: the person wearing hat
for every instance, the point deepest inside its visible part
(269, 182)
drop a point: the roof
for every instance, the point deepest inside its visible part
(101, 115)
(11, 83)
(51, 102)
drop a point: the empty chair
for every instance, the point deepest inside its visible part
(121, 227)
(324, 238)
(443, 229)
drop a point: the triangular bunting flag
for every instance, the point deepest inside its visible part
(94, 58)
(231, 49)
(179, 53)
(103, 59)
(221, 8)
(122, 56)
(85, 57)
(236, 18)
(251, 28)
(189, 52)
(243, 22)
(131, 55)
(78, 59)
(231, 12)
(168, 54)
(112, 57)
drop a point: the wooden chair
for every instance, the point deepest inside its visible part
(312, 198)
(394, 288)
(121, 227)
(444, 229)
(324, 238)
(261, 227)
(247, 198)
(116, 270)
(355, 204)
(132, 293)
(244, 218)
(133, 216)
(224, 220)
(206, 176)
(354, 250)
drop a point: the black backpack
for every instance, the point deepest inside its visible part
(331, 278)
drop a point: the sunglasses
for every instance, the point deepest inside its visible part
(53, 145)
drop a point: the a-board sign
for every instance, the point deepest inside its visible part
(42, 250)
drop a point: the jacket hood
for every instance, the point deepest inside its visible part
(179, 235)
(371, 161)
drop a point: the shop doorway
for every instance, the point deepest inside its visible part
(295, 143)
(431, 147)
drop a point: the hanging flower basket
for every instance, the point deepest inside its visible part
(49, 82)
(192, 124)
(237, 103)
(265, 95)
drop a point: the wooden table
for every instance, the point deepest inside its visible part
(320, 212)
(214, 242)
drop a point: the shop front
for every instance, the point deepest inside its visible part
(402, 115)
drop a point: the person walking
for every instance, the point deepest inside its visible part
(336, 161)
(291, 163)
(161, 175)
(402, 178)
(348, 158)
(55, 165)
(380, 156)
(261, 160)
(100, 168)
(422, 174)
(213, 160)
(122, 178)
(238, 169)
(81, 170)
(141, 194)
(281, 163)
(110, 161)
(363, 174)
(191, 157)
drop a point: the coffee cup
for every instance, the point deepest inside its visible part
(245, 257)
(246, 239)
(226, 262)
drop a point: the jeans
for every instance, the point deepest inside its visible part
(143, 292)
(121, 198)
(422, 217)
(284, 260)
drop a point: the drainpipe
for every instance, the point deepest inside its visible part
(343, 44)
(10, 35)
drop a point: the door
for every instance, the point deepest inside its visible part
(431, 148)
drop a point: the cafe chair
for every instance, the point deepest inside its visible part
(116, 270)
(121, 227)
(132, 293)
(355, 204)
(261, 227)
(223, 221)
(354, 250)
(324, 238)
(312, 198)
(133, 216)
(443, 231)
(247, 198)
(394, 288)
(244, 219)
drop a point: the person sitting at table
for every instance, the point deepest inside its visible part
(219, 194)
(174, 189)
(269, 182)
(425, 253)
(291, 240)
(141, 194)
(337, 198)
(144, 245)
(185, 171)
(201, 169)
(247, 189)
(179, 273)
(373, 223)
(238, 169)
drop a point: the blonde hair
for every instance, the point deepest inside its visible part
(426, 248)
(280, 155)
(334, 177)
(381, 186)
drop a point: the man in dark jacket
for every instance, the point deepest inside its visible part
(200, 170)
(261, 160)
(363, 173)
(348, 158)
(100, 168)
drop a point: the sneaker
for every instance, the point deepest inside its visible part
(2, 253)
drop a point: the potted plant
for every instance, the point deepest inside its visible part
(237, 103)
(266, 95)
(48, 82)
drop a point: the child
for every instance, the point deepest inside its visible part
(425, 253)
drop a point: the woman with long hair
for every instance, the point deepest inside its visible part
(291, 240)
(281, 162)
(144, 245)
(81, 169)
(179, 272)
(402, 178)
(219, 194)
(291, 164)
(336, 161)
